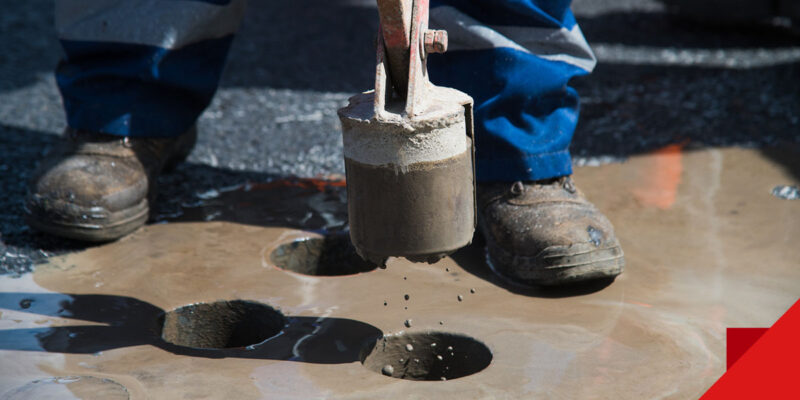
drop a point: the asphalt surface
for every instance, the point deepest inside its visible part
(660, 81)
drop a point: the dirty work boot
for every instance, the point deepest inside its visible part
(547, 233)
(98, 187)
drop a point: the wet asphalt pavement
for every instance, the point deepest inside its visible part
(659, 81)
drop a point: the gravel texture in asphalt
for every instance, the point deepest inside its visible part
(659, 81)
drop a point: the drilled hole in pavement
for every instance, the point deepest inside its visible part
(426, 356)
(221, 325)
(332, 255)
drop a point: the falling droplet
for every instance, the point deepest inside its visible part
(472, 290)
(439, 357)
(409, 347)
(406, 297)
(444, 379)
(460, 297)
(385, 303)
(449, 348)
(441, 322)
(433, 344)
(408, 323)
(387, 370)
(405, 278)
(447, 269)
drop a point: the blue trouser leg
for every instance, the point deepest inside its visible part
(515, 58)
(142, 67)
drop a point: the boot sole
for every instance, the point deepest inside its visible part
(556, 269)
(124, 222)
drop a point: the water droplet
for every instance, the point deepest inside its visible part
(444, 379)
(387, 370)
(439, 357)
(408, 323)
(406, 297)
(433, 344)
(460, 297)
(449, 348)
(409, 347)
(447, 269)
(441, 322)
(385, 303)
(416, 360)
(405, 278)
(208, 194)
(472, 290)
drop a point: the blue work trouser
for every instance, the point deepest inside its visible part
(150, 68)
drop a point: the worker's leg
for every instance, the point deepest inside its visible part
(516, 57)
(139, 69)
(142, 67)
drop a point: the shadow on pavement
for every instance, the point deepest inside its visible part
(661, 29)
(787, 156)
(128, 321)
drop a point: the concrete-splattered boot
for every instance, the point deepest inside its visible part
(547, 233)
(97, 187)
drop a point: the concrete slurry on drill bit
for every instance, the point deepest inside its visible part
(707, 247)
(440, 135)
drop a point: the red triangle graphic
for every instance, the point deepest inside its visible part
(739, 340)
(770, 369)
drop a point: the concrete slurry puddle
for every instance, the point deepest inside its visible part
(251, 304)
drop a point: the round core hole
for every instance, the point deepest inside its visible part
(426, 356)
(221, 325)
(332, 255)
